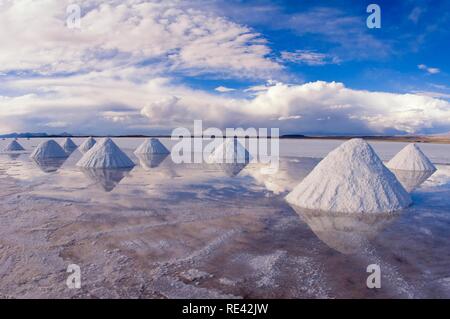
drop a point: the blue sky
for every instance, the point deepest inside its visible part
(148, 66)
(412, 33)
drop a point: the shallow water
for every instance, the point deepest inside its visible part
(163, 230)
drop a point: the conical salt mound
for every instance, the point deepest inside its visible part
(48, 149)
(230, 151)
(351, 179)
(69, 145)
(105, 154)
(13, 146)
(152, 146)
(411, 158)
(87, 145)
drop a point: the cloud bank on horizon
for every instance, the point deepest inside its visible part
(142, 67)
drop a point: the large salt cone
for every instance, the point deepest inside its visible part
(351, 179)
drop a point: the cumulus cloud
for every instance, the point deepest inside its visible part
(428, 69)
(117, 74)
(105, 102)
(169, 34)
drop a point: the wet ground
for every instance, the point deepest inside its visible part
(164, 230)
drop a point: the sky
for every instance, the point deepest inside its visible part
(150, 66)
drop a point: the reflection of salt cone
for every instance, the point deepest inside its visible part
(49, 165)
(13, 156)
(13, 146)
(282, 177)
(149, 161)
(344, 232)
(69, 146)
(231, 169)
(108, 179)
(411, 179)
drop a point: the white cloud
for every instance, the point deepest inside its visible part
(428, 69)
(113, 102)
(308, 57)
(291, 117)
(169, 34)
(118, 74)
(415, 14)
(223, 89)
(255, 89)
(438, 95)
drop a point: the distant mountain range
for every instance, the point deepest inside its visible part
(436, 138)
(26, 135)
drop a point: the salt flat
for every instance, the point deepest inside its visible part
(194, 231)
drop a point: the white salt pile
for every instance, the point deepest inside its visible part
(411, 158)
(48, 149)
(69, 145)
(152, 146)
(87, 145)
(105, 154)
(351, 179)
(230, 151)
(13, 146)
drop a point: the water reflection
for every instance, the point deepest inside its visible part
(346, 233)
(69, 150)
(14, 156)
(412, 179)
(149, 161)
(230, 169)
(49, 165)
(107, 179)
(290, 172)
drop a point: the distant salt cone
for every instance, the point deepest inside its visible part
(411, 158)
(105, 154)
(230, 151)
(48, 149)
(87, 145)
(152, 146)
(69, 146)
(13, 146)
(351, 179)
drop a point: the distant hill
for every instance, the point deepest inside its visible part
(30, 135)
(293, 136)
